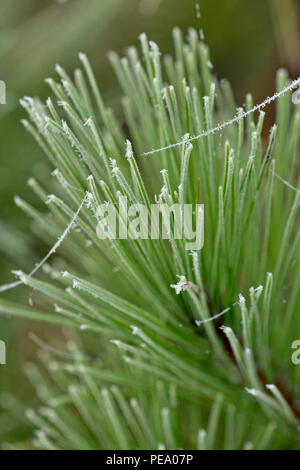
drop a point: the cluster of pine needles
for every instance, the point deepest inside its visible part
(145, 366)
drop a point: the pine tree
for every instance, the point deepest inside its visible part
(166, 348)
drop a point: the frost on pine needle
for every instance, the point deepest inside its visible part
(183, 285)
(188, 360)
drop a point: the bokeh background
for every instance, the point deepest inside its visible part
(249, 40)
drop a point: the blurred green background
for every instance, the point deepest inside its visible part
(248, 42)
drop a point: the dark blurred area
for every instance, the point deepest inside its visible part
(248, 42)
